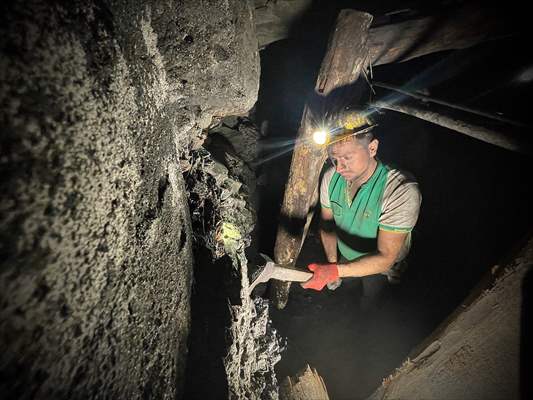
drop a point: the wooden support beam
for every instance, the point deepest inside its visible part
(510, 141)
(453, 28)
(470, 110)
(458, 29)
(346, 56)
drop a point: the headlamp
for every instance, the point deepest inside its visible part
(346, 124)
(321, 136)
(324, 136)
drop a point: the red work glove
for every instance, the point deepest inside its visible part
(322, 275)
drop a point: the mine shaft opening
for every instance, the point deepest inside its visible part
(475, 209)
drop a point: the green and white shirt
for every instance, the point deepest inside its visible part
(389, 200)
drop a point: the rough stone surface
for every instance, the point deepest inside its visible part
(221, 185)
(254, 347)
(237, 147)
(477, 355)
(98, 100)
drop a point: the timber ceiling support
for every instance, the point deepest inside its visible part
(513, 141)
(455, 28)
(346, 57)
(465, 27)
(467, 109)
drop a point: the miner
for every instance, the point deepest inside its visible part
(368, 211)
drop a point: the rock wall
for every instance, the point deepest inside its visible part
(274, 18)
(100, 102)
(480, 352)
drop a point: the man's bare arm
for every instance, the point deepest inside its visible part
(328, 235)
(389, 246)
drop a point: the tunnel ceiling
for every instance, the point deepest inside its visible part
(276, 19)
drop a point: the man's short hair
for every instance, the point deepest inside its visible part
(365, 138)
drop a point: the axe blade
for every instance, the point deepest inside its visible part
(264, 274)
(276, 271)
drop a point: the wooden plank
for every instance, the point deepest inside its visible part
(510, 141)
(346, 56)
(429, 99)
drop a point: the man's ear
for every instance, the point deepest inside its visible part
(373, 147)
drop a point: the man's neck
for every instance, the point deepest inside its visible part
(359, 181)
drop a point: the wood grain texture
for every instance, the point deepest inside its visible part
(306, 385)
(510, 140)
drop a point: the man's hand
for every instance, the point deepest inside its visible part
(322, 275)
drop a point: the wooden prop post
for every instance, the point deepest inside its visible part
(346, 56)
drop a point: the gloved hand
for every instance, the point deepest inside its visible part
(322, 275)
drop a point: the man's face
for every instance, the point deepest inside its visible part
(353, 158)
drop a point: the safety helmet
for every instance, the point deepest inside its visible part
(346, 124)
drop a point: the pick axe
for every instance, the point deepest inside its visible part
(271, 270)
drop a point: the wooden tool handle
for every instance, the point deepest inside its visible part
(291, 274)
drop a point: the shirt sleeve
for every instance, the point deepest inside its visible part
(324, 188)
(401, 203)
